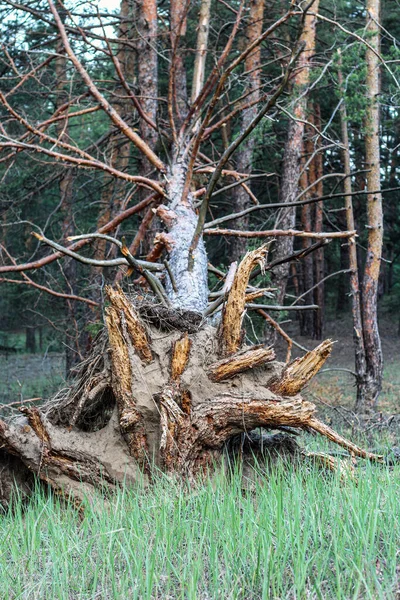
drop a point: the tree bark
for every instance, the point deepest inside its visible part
(319, 259)
(244, 155)
(372, 343)
(293, 149)
(358, 330)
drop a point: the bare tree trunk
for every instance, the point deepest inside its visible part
(73, 350)
(147, 68)
(119, 146)
(307, 179)
(244, 155)
(178, 81)
(201, 48)
(319, 259)
(187, 289)
(292, 157)
(372, 342)
(358, 332)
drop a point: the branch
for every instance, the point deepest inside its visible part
(84, 162)
(139, 264)
(226, 156)
(113, 114)
(281, 233)
(110, 226)
(254, 306)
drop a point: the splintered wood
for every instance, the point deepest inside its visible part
(302, 370)
(134, 326)
(239, 362)
(232, 314)
(180, 357)
(130, 420)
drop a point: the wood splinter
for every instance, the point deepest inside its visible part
(241, 361)
(299, 372)
(232, 315)
(134, 326)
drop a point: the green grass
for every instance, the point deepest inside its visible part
(294, 534)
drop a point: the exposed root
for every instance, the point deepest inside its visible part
(130, 419)
(239, 362)
(233, 312)
(134, 326)
(169, 319)
(341, 441)
(89, 401)
(176, 401)
(180, 357)
(298, 373)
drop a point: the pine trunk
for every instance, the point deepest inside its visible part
(293, 150)
(373, 352)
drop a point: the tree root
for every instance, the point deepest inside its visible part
(149, 399)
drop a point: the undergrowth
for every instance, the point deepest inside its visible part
(293, 533)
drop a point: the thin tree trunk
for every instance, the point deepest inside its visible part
(244, 155)
(319, 259)
(201, 48)
(307, 178)
(292, 156)
(73, 353)
(178, 81)
(119, 146)
(358, 331)
(372, 342)
(147, 68)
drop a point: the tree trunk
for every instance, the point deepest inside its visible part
(114, 190)
(292, 156)
(30, 339)
(358, 332)
(178, 97)
(373, 352)
(319, 259)
(307, 179)
(244, 155)
(73, 352)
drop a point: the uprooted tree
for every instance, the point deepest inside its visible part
(165, 389)
(170, 380)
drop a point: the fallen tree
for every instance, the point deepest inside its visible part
(154, 396)
(169, 381)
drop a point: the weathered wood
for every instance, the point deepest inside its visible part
(130, 420)
(134, 326)
(233, 311)
(299, 372)
(180, 356)
(239, 362)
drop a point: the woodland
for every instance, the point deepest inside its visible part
(178, 179)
